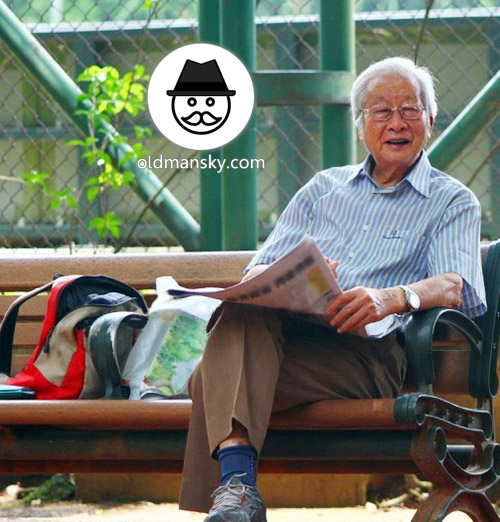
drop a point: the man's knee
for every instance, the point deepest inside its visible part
(195, 381)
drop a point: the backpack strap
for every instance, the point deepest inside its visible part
(8, 326)
(110, 343)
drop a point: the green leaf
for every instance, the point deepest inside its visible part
(139, 70)
(126, 157)
(139, 131)
(108, 224)
(92, 192)
(128, 177)
(99, 224)
(35, 178)
(89, 141)
(71, 201)
(75, 142)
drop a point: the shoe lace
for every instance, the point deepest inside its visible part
(232, 494)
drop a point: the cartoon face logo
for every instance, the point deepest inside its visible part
(201, 101)
(201, 96)
(201, 114)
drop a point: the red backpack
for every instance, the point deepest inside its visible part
(64, 365)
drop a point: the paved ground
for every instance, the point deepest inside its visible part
(148, 512)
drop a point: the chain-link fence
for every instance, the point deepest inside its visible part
(460, 45)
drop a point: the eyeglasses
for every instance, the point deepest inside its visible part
(384, 113)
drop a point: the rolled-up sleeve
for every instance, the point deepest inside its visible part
(455, 247)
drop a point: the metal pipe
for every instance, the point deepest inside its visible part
(239, 192)
(337, 48)
(210, 180)
(52, 77)
(467, 125)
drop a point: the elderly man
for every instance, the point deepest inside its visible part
(404, 237)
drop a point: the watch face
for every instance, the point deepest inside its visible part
(413, 300)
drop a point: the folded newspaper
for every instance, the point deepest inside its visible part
(299, 281)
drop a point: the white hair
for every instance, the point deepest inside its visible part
(397, 65)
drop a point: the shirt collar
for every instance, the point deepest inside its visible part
(418, 177)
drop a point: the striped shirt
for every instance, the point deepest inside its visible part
(427, 224)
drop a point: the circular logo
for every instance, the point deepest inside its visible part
(200, 96)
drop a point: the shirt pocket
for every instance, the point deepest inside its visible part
(399, 245)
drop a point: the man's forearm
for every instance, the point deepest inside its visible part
(442, 290)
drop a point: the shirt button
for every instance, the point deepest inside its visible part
(365, 227)
(351, 254)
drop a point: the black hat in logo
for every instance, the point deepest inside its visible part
(201, 79)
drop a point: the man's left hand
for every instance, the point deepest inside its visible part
(355, 308)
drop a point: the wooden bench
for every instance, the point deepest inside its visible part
(418, 432)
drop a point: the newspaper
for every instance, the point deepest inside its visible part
(300, 281)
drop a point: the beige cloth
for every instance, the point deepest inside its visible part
(257, 361)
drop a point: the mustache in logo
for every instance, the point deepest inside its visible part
(197, 117)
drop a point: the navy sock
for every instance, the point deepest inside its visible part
(238, 460)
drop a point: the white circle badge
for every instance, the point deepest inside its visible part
(200, 96)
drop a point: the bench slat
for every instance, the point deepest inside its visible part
(34, 308)
(139, 270)
(27, 334)
(174, 414)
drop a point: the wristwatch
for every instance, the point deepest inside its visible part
(411, 298)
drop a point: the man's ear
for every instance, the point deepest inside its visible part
(360, 134)
(431, 125)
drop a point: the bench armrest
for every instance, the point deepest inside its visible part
(419, 332)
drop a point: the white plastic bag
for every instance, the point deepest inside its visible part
(154, 340)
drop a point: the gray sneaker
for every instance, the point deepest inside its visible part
(237, 502)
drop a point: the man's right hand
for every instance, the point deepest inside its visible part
(257, 269)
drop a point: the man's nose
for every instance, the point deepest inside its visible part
(396, 122)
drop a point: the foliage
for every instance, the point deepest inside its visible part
(56, 488)
(107, 98)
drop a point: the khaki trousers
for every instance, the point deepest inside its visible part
(258, 361)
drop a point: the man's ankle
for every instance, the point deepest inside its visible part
(240, 461)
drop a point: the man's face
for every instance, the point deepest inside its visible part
(395, 144)
(201, 114)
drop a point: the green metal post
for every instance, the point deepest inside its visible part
(239, 191)
(210, 179)
(337, 47)
(45, 70)
(492, 226)
(467, 125)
